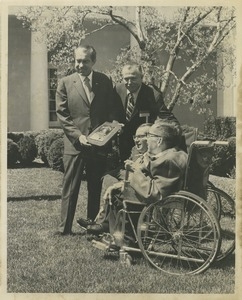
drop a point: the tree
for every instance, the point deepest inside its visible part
(190, 42)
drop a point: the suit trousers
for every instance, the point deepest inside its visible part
(73, 174)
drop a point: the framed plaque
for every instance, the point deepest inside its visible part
(104, 133)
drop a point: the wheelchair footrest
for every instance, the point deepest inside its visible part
(106, 243)
(100, 245)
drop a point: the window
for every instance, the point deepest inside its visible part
(52, 85)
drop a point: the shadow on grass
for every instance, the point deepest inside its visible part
(39, 197)
(34, 164)
(227, 262)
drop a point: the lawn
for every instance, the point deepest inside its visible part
(39, 262)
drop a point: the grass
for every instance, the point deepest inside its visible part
(225, 184)
(39, 262)
(34, 183)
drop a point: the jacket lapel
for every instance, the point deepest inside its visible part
(95, 85)
(78, 85)
(123, 97)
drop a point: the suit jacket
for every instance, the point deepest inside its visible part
(159, 177)
(74, 112)
(147, 101)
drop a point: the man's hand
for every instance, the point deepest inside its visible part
(129, 165)
(83, 141)
(119, 186)
(121, 127)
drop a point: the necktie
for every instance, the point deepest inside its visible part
(130, 106)
(88, 89)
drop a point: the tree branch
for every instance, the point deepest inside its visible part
(218, 38)
(139, 21)
(181, 35)
(100, 28)
(182, 22)
(177, 79)
(84, 16)
(123, 22)
(68, 8)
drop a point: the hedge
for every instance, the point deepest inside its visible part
(25, 147)
(15, 136)
(12, 153)
(55, 155)
(220, 128)
(224, 160)
(44, 140)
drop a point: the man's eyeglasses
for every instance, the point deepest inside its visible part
(153, 135)
(138, 137)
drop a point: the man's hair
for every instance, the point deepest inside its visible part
(133, 65)
(168, 132)
(172, 122)
(145, 125)
(88, 48)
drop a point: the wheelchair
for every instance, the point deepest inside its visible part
(186, 231)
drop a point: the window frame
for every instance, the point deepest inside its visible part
(52, 123)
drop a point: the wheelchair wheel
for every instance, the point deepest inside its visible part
(179, 234)
(225, 207)
(213, 200)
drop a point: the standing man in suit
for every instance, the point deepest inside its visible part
(84, 100)
(133, 97)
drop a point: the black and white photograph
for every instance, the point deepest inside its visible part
(120, 150)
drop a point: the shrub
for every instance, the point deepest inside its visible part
(40, 144)
(232, 174)
(32, 133)
(55, 155)
(220, 128)
(44, 140)
(15, 136)
(27, 149)
(224, 159)
(13, 153)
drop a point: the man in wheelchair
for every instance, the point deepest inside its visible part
(115, 175)
(155, 174)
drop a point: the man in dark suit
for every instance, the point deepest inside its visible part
(84, 100)
(133, 98)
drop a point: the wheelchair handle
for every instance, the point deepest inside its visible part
(221, 143)
(206, 143)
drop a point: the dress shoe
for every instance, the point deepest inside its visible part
(97, 229)
(113, 248)
(85, 222)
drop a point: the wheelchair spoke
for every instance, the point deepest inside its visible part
(179, 235)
